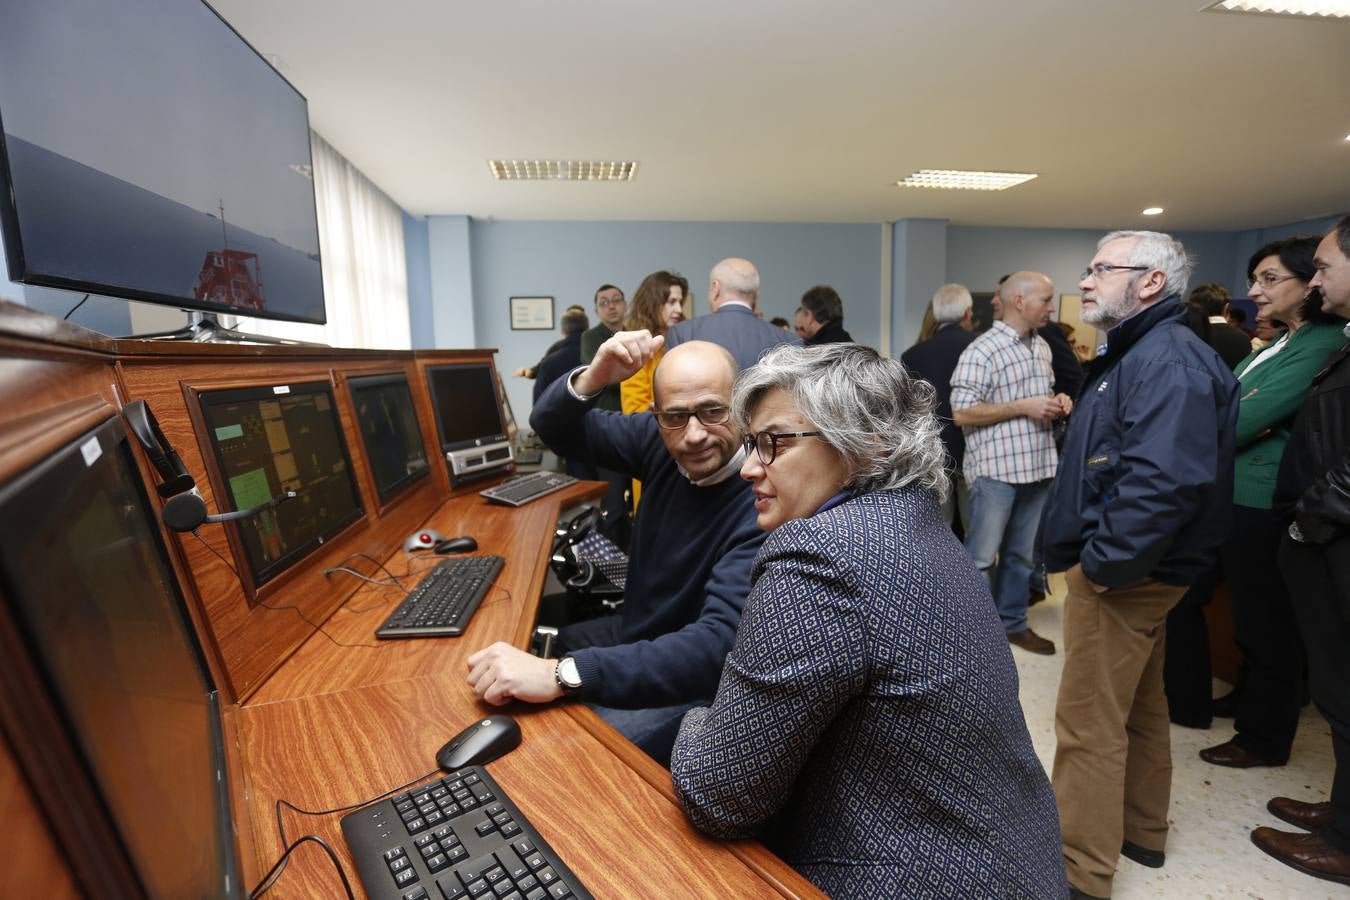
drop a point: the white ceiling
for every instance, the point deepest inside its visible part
(793, 110)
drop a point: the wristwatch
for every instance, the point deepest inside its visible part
(566, 675)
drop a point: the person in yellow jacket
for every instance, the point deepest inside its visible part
(660, 302)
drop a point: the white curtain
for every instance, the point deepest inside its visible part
(365, 273)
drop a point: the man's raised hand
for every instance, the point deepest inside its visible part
(618, 358)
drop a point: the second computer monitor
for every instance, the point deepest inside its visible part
(389, 432)
(267, 440)
(469, 420)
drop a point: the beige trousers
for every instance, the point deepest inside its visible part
(1113, 757)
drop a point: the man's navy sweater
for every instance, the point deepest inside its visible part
(689, 562)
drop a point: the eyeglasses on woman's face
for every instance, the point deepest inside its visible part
(765, 443)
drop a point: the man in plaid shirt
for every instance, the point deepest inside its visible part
(1002, 399)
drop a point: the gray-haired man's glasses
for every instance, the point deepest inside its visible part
(1101, 269)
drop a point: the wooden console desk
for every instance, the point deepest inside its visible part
(326, 719)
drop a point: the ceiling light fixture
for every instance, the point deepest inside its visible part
(1318, 9)
(1153, 211)
(561, 170)
(957, 180)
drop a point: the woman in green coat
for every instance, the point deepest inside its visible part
(1273, 383)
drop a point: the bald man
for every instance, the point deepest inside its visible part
(733, 291)
(1003, 400)
(694, 540)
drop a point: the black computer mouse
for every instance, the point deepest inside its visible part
(480, 743)
(461, 544)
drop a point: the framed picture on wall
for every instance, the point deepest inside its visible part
(531, 313)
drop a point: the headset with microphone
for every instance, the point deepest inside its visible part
(184, 509)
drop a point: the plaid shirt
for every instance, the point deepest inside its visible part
(1001, 366)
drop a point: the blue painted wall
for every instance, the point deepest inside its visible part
(569, 260)
(421, 312)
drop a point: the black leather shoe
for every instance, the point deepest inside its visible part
(1306, 852)
(1308, 816)
(1154, 859)
(1234, 757)
(1076, 894)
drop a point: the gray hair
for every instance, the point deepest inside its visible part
(950, 303)
(738, 277)
(1157, 251)
(869, 408)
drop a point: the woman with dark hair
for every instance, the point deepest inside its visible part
(1273, 383)
(658, 305)
(867, 726)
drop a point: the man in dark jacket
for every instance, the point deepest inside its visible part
(1231, 342)
(934, 360)
(733, 291)
(694, 539)
(820, 318)
(1314, 485)
(563, 356)
(1140, 502)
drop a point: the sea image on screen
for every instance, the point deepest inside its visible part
(89, 226)
(285, 443)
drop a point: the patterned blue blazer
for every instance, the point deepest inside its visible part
(867, 726)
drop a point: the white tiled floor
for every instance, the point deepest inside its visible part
(1209, 851)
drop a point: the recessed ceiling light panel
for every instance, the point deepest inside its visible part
(561, 170)
(1320, 9)
(957, 180)
(1153, 211)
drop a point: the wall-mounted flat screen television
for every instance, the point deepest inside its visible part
(148, 152)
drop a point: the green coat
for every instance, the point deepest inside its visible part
(1270, 398)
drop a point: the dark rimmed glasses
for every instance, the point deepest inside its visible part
(765, 443)
(1100, 269)
(707, 415)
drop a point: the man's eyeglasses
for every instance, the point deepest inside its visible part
(765, 443)
(708, 415)
(612, 301)
(1268, 280)
(1098, 270)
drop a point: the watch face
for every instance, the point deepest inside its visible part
(567, 672)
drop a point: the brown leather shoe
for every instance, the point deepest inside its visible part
(1306, 852)
(1308, 816)
(1032, 642)
(1234, 757)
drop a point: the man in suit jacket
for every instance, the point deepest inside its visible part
(733, 288)
(1232, 343)
(934, 360)
(820, 318)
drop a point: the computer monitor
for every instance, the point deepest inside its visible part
(86, 582)
(275, 438)
(469, 420)
(389, 432)
(161, 159)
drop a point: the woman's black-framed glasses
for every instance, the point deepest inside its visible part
(765, 443)
(707, 415)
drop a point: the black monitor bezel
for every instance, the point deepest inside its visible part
(17, 262)
(398, 488)
(254, 581)
(478, 441)
(112, 436)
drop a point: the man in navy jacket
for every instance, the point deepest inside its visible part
(1141, 499)
(733, 290)
(694, 540)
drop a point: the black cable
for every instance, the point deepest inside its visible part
(273, 874)
(342, 567)
(75, 307)
(296, 609)
(348, 570)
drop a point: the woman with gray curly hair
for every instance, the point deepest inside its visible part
(867, 726)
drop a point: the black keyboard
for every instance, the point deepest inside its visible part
(455, 838)
(519, 491)
(444, 600)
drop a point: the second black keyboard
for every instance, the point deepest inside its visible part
(444, 600)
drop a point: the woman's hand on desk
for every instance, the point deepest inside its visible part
(501, 673)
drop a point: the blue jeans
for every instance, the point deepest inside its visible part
(1004, 519)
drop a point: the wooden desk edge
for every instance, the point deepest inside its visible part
(777, 874)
